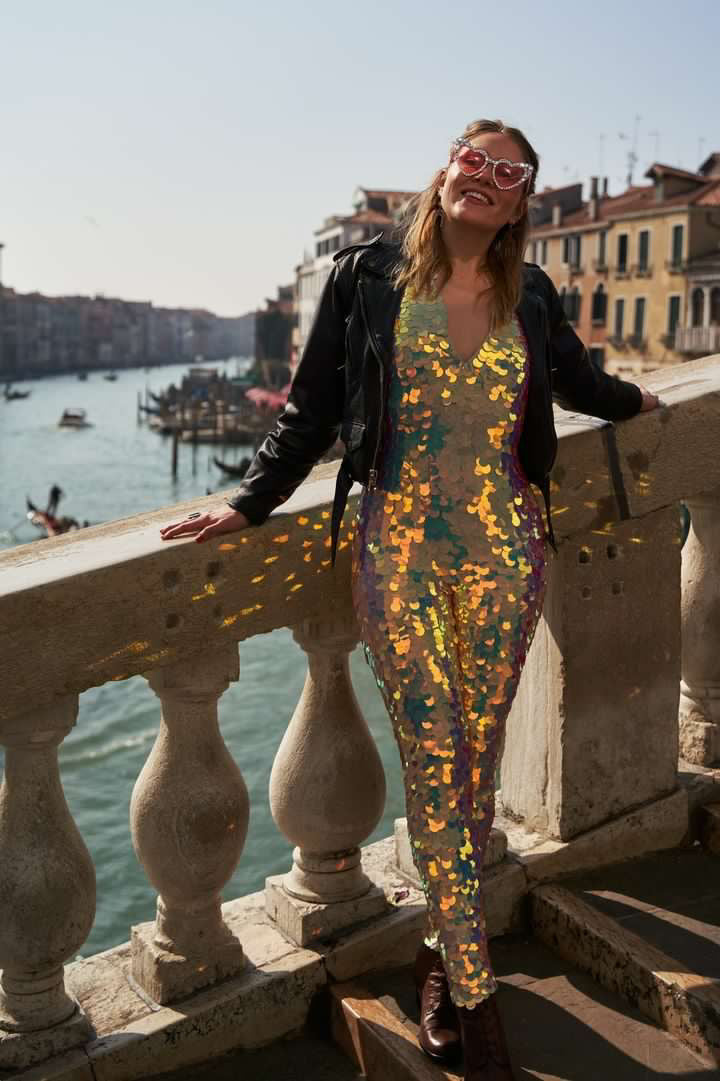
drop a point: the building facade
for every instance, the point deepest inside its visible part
(638, 272)
(374, 211)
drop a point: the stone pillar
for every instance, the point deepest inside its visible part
(700, 687)
(189, 818)
(47, 892)
(327, 793)
(593, 729)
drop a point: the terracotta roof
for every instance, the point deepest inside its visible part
(658, 169)
(636, 198)
(710, 196)
(382, 193)
(370, 217)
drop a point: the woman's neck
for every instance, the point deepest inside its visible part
(467, 250)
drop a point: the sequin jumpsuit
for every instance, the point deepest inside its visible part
(448, 577)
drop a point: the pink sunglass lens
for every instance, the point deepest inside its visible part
(470, 161)
(508, 174)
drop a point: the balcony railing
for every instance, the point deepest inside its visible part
(600, 266)
(621, 271)
(642, 270)
(676, 266)
(697, 340)
(115, 601)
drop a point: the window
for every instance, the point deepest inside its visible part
(673, 314)
(532, 252)
(622, 252)
(715, 306)
(543, 252)
(597, 355)
(619, 318)
(572, 305)
(599, 306)
(677, 245)
(639, 325)
(566, 250)
(643, 249)
(697, 307)
(573, 249)
(602, 247)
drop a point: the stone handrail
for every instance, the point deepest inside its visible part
(115, 601)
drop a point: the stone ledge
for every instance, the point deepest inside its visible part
(270, 999)
(661, 824)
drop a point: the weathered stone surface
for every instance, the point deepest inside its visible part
(684, 1003)
(71, 1066)
(304, 922)
(710, 828)
(599, 679)
(658, 825)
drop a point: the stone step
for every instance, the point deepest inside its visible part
(560, 1025)
(305, 1058)
(650, 931)
(710, 828)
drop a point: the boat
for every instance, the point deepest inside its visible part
(74, 418)
(233, 470)
(82, 376)
(110, 376)
(11, 395)
(48, 520)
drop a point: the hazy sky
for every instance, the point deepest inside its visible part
(184, 152)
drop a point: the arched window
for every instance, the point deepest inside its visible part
(715, 306)
(698, 307)
(599, 305)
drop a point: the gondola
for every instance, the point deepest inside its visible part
(15, 395)
(233, 470)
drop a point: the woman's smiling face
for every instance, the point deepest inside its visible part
(475, 200)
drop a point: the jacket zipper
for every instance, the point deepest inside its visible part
(372, 474)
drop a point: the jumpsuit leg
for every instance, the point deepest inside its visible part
(447, 661)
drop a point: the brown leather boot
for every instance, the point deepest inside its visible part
(485, 1049)
(439, 1034)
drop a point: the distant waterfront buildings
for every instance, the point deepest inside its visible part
(639, 272)
(42, 335)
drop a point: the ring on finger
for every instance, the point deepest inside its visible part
(195, 514)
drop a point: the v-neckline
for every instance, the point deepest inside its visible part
(453, 350)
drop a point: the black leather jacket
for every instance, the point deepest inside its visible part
(341, 385)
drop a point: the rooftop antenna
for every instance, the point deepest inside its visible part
(656, 151)
(632, 152)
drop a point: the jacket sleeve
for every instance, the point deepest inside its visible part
(578, 383)
(310, 421)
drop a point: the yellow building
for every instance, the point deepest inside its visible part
(639, 272)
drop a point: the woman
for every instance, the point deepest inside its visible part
(434, 361)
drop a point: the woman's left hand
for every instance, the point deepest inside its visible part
(649, 400)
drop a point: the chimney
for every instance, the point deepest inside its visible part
(593, 203)
(593, 187)
(604, 191)
(557, 214)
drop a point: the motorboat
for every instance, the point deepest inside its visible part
(74, 418)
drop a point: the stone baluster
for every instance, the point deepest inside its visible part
(47, 892)
(700, 609)
(327, 793)
(189, 818)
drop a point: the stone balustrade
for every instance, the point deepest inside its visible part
(623, 671)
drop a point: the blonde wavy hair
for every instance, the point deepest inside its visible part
(425, 264)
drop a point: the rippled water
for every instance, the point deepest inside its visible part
(119, 468)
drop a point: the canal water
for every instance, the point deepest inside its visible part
(114, 469)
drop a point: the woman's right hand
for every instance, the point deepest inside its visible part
(206, 526)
